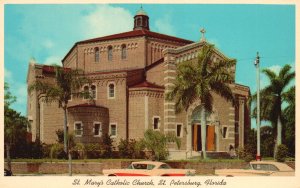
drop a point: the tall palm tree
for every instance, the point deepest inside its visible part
(68, 82)
(289, 114)
(197, 81)
(272, 97)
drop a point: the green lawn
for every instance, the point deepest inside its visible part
(102, 160)
(74, 160)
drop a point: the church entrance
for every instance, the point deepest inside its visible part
(196, 137)
(196, 140)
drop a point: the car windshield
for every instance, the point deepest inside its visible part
(130, 167)
(150, 167)
(266, 167)
(164, 166)
(140, 166)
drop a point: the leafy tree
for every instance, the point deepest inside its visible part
(289, 119)
(8, 97)
(267, 141)
(107, 146)
(197, 81)
(272, 97)
(156, 142)
(131, 149)
(281, 153)
(15, 125)
(68, 82)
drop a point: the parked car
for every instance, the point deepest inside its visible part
(259, 168)
(149, 168)
(7, 172)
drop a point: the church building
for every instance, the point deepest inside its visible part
(131, 72)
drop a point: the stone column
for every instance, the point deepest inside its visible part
(241, 121)
(169, 106)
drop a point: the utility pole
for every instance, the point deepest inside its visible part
(256, 63)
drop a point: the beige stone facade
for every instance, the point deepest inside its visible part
(131, 73)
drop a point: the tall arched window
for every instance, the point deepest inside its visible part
(123, 51)
(93, 91)
(97, 54)
(109, 51)
(86, 92)
(111, 90)
(90, 92)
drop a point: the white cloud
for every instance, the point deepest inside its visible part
(164, 25)
(7, 74)
(106, 20)
(275, 68)
(48, 44)
(22, 94)
(53, 60)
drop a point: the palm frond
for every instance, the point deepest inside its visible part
(269, 73)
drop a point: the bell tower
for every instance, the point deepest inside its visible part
(141, 20)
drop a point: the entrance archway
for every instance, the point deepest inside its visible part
(195, 124)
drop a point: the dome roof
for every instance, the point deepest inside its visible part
(141, 12)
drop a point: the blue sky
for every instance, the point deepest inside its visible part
(47, 32)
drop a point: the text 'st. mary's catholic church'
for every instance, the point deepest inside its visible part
(131, 72)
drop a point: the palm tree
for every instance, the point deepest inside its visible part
(67, 83)
(272, 97)
(197, 81)
(289, 114)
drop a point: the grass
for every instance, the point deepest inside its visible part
(73, 160)
(197, 160)
(194, 160)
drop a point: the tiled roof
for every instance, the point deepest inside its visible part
(148, 85)
(51, 69)
(134, 33)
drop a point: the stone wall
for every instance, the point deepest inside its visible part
(97, 167)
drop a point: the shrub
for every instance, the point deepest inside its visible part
(281, 153)
(107, 146)
(46, 150)
(247, 153)
(130, 149)
(57, 152)
(92, 151)
(78, 151)
(156, 142)
(36, 150)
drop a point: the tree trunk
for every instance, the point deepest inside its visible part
(279, 131)
(8, 156)
(70, 163)
(203, 131)
(65, 130)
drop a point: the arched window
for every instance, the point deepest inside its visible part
(86, 92)
(109, 51)
(123, 51)
(93, 91)
(111, 90)
(97, 54)
(89, 92)
(139, 22)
